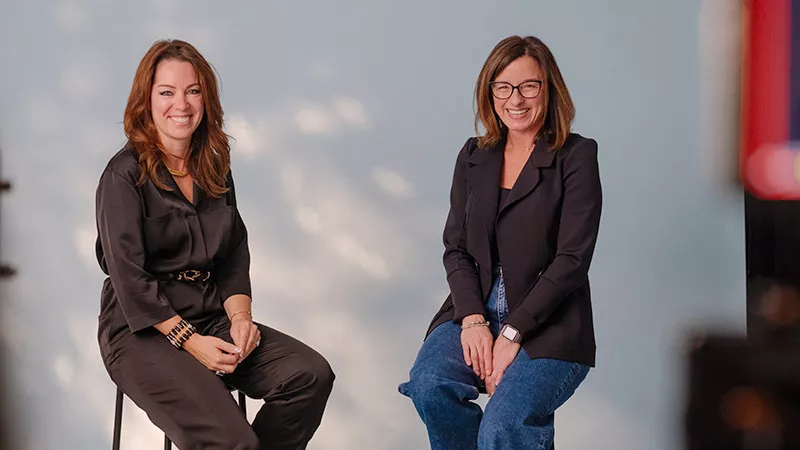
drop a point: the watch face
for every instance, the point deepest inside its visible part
(510, 333)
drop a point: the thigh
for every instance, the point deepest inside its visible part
(278, 358)
(178, 393)
(535, 388)
(442, 356)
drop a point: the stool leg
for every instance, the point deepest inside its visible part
(117, 421)
(243, 403)
(167, 443)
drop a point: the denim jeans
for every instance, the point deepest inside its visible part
(520, 414)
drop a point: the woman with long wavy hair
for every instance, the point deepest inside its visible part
(176, 328)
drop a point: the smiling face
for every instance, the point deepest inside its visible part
(176, 104)
(520, 114)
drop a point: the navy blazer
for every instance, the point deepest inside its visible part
(545, 234)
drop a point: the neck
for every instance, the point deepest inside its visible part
(176, 156)
(522, 140)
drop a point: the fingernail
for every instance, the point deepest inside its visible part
(238, 350)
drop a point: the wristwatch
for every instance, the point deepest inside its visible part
(511, 333)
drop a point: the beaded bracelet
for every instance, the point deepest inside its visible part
(180, 333)
(478, 323)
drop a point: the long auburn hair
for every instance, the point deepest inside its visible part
(560, 110)
(209, 154)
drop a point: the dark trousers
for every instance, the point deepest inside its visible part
(195, 409)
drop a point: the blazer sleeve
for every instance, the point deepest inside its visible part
(579, 225)
(232, 272)
(119, 227)
(462, 275)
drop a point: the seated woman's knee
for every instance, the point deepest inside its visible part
(312, 373)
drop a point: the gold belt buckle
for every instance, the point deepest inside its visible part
(191, 275)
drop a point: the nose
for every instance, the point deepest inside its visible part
(516, 97)
(180, 101)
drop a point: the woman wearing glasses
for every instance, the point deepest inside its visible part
(524, 215)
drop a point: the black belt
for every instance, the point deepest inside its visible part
(192, 276)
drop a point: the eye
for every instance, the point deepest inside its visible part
(194, 91)
(165, 93)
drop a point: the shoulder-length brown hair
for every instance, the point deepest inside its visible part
(559, 112)
(209, 153)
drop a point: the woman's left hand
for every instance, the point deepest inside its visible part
(245, 334)
(503, 355)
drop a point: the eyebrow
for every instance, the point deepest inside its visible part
(173, 87)
(523, 81)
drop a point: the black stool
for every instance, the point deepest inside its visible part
(167, 443)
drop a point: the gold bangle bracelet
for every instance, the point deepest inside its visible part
(244, 311)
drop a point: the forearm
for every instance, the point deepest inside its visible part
(237, 305)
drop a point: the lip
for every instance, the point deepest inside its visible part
(514, 115)
(180, 120)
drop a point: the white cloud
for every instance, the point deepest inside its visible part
(316, 120)
(308, 219)
(251, 136)
(353, 251)
(392, 182)
(84, 238)
(350, 111)
(64, 370)
(342, 113)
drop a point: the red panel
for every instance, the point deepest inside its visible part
(765, 101)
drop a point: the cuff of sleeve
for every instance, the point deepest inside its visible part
(229, 290)
(466, 309)
(525, 320)
(149, 315)
(149, 318)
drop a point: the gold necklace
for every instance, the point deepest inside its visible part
(177, 173)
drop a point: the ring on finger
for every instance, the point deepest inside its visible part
(219, 373)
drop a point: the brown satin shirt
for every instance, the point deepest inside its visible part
(146, 233)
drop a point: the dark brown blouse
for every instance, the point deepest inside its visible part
(146, 233)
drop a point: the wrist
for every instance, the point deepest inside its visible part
(511, 334)
(473, 318)
(244, 314)
(181, 333)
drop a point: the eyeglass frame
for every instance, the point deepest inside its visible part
(517, 87)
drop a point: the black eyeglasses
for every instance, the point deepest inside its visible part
(527, 89)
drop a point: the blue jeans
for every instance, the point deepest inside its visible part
(520, 414)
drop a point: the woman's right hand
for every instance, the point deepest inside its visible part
(213, 352)
(476, 342)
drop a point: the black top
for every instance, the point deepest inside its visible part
(503, 200)
(545, 236)
(145, 233)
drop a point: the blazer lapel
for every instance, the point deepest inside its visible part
(484, 168)
(529, 177)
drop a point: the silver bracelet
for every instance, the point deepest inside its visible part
(474, 324)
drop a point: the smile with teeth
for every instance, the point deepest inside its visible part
(180, 119)
(517, 112)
